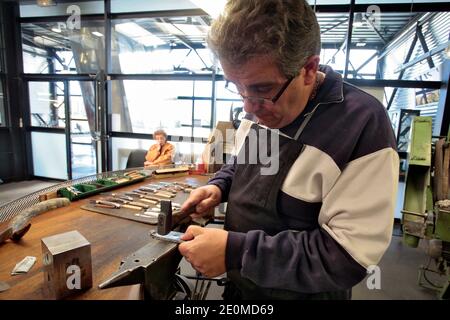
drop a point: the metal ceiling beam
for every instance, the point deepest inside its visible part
(424, 44)
(86, 17)
(424, 56)
(379, 83)
(160, 14)
(334, 26)
(404, 31)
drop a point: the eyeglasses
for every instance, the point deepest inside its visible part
(230, 86)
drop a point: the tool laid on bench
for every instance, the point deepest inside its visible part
(127, 202)
(113, 205)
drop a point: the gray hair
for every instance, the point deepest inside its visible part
(160, 132)
(286, 30)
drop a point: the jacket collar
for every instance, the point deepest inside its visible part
(332, 89)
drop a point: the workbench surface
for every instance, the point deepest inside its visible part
(111, 238)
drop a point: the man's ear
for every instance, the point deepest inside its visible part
(310, 69)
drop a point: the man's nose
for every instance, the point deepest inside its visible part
(251, 107)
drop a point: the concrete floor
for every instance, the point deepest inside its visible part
(398, 267)
(15, 190)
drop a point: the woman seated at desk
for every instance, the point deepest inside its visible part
(160, 153)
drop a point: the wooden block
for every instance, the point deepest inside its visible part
(48, 196)
(171, 175)
(67, 264)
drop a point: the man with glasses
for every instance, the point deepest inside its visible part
(312, 229)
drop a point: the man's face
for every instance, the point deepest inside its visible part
(261, 77)
(161, 139)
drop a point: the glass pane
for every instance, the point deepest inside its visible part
(82, 104)
(395, 58)
(223, 110)
(333, 30)
(62, 9)
(226, 102)
(47, 107)
(203, 89)
(160, 45)
(122, 147)
(202, 118)
(424, 101)
(185, 152)
(49, 155)
(55, 47)
(142, 106)
(223, 93)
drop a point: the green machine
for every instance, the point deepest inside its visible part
(426, 208)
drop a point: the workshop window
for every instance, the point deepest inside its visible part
(159, 45)
(179, 107)
(56, 48)
(185, 151)
(47, 105)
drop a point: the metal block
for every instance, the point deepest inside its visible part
(67, 264)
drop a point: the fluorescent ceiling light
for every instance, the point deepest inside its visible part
(45, 3)
(98, 34)
(138, 34)
(213, 8)
(361, 44)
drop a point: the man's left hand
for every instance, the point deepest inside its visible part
(205, 250)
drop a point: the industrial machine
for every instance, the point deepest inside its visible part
(426, 208)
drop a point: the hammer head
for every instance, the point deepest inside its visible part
(165, 217)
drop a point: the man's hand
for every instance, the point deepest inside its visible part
(205, 250)
(203, 198)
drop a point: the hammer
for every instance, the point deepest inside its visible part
(165, 217)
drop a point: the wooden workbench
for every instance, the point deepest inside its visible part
(111, 238)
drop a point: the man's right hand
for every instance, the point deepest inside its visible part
(203, 198)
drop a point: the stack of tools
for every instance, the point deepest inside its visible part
(142, 204)
(86, 189)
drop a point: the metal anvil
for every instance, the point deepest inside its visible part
(154, 266)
